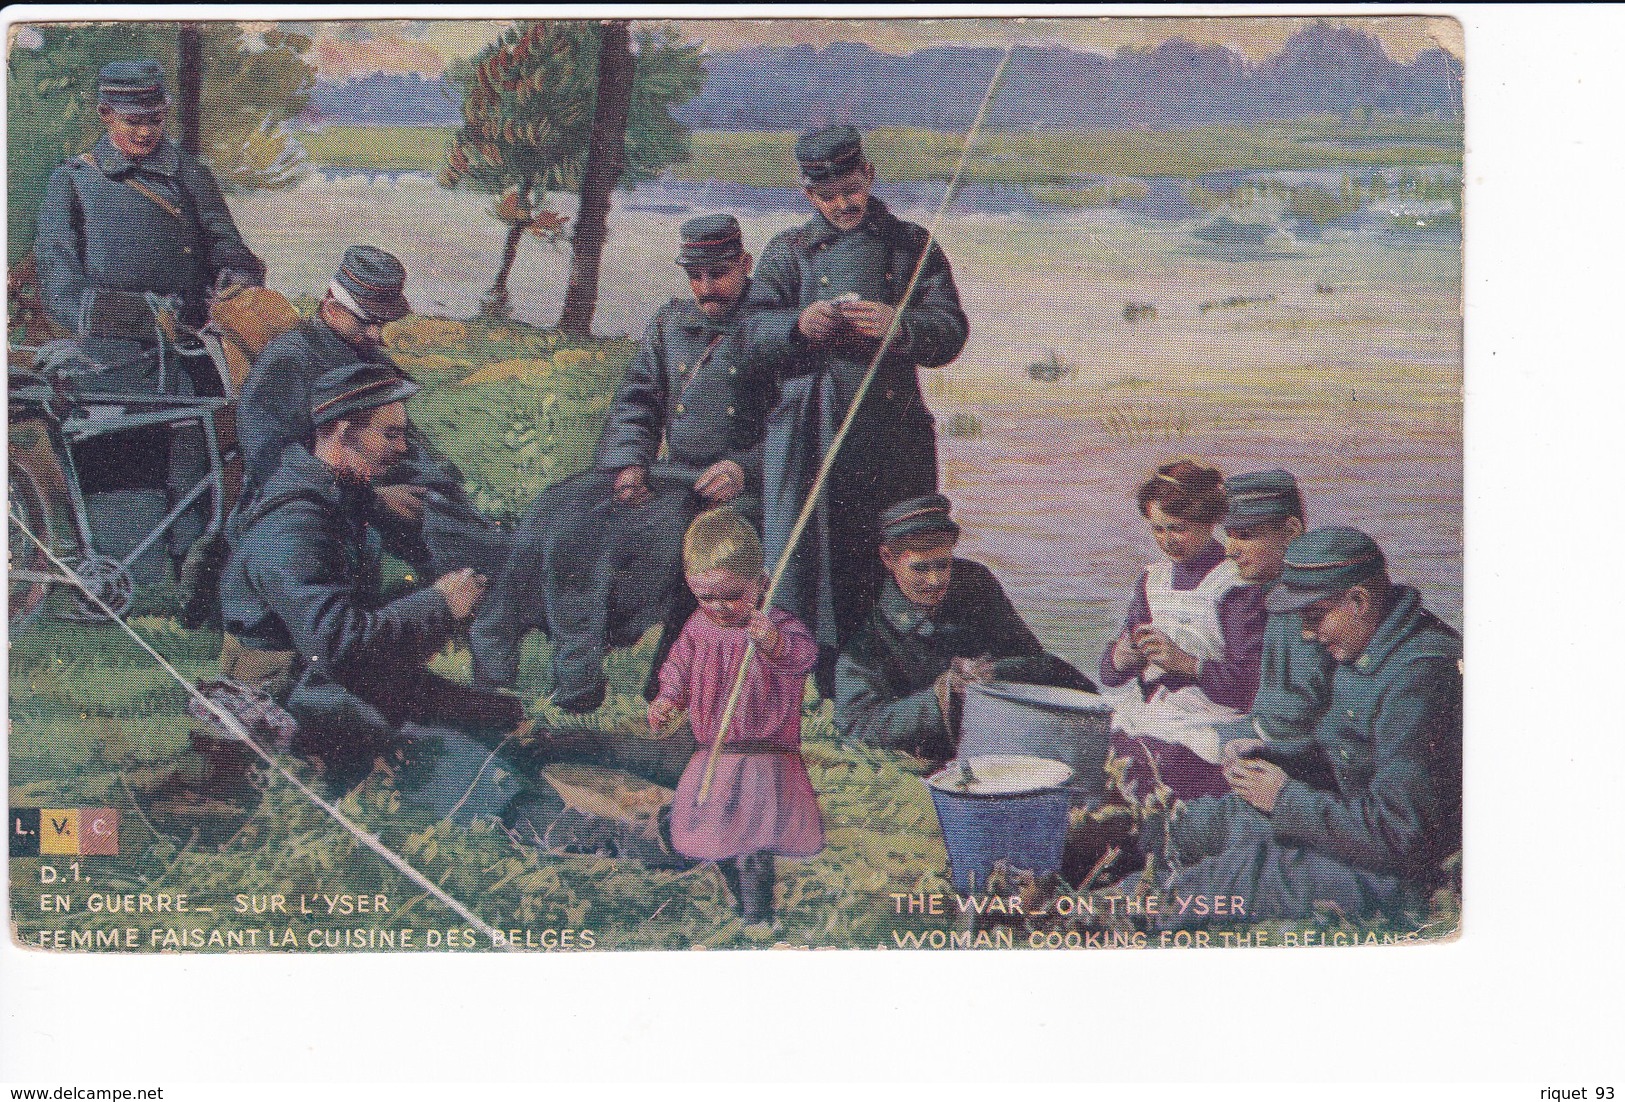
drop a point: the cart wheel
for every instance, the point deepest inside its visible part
(108, 580)
(23, 596)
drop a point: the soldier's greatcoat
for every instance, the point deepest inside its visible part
(98, 234)
(885, 679)
(700, 386)
(274, 411)
(1390, 735)
(891, 452)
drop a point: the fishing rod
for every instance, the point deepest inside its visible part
(230, 722)
(830, 455)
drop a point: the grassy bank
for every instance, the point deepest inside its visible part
(93, 720)
(1049, 159)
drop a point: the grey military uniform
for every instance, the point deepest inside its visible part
(274, 411)
(885, 679)
(699, 385)
(891, 453)
(1373, 844)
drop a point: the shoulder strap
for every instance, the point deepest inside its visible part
(699, 365)
(131, 182)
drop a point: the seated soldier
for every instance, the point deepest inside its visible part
(941, 623)
(421, 510)
(304, 615)
(1372, 843)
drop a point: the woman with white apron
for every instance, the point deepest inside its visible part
(1188, 656)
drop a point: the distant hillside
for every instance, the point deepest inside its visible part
(385, 99)
(1324, 68)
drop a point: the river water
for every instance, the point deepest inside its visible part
(1256, 338)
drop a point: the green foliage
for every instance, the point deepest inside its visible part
(251, 89)
(528, 103)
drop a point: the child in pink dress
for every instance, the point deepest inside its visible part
(761, 801)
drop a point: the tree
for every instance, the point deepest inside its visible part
(529, 100)
(606, 153)
(251, 88)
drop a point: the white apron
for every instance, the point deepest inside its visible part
(1190, 619)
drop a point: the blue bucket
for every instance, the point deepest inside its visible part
(1012, 808)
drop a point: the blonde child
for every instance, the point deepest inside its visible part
(761, 801)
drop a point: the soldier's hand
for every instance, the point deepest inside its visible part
(820, 322)
(868, 319)
(1257, 782)
(661, 709)
(632, 486)
(1240, 749)
(403, 501)
(721, 482)
(462, 590)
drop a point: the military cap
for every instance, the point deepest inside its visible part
(132, 87)
(826, 154)
(710, 239)
(1327, 562)
(918, 514)
(347, 390)
(369, 283)
(1260, 496)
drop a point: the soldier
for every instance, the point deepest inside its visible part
(696, 382)
(700, 384)
(830, 289)
(424, 514)
(1390, 730)
(1264, 515)
(137, 216)
(941, 623)
(303, 612)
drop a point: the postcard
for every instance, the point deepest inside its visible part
(561, 486)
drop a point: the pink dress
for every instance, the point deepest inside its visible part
(761, 797)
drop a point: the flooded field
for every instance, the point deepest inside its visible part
(1303, 320)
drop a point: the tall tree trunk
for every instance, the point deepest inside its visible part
(606, 152)
(189, 87)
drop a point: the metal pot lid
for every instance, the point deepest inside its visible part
(1048, 698)
(999, 775)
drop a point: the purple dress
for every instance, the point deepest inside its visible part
(761, 797)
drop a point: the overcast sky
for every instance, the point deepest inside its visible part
(352, 49)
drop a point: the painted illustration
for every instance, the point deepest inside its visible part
(552, 485)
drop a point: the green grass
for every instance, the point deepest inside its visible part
(93, 717)
(1049, 162)
(1055, 159)
(384, 148)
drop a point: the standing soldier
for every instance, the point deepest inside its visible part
(424, 514)
(831, 289)
(135, 214)
(700, 385)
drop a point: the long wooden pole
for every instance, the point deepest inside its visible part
(828, 464)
